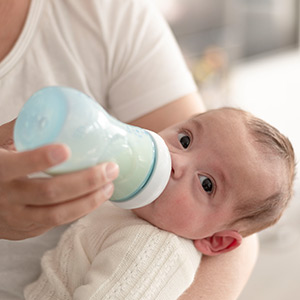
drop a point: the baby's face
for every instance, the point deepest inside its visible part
(214, 166)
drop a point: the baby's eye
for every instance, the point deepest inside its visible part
(207, 184)
(184, 140)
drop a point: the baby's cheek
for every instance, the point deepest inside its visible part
(182, 198)
(183, 208)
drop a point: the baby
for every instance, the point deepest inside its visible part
(232, 175)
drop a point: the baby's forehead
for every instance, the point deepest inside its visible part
(222, 120)
(235, 126)
(223, 114)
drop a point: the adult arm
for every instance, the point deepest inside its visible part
(169, 114)
(32, 206)
(224, 277)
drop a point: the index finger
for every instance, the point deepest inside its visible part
(14, 165)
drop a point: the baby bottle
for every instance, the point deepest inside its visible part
(64, 115)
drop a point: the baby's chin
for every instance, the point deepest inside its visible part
(147, 212)
(151, 205)
(154, 211)
(143, 212)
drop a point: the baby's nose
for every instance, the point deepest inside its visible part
(178, 166)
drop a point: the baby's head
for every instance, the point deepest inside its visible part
(232, 175)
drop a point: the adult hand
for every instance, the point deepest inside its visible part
(32, 206)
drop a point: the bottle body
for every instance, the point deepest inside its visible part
(64, 115)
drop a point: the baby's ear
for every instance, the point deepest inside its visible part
(220, 242)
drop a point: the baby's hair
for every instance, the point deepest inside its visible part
(262, 213)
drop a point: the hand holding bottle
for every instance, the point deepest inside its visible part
(32, 206)
(64, 115)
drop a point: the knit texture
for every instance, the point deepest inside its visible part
(112, 254)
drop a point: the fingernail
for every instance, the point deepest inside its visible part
(112, 171)
(108, 190)
(58, 155)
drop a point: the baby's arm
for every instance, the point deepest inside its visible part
(130, 262)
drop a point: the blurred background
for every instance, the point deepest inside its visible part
(245, 53)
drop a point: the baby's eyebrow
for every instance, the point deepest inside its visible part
(196, 115)
(196, 123)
